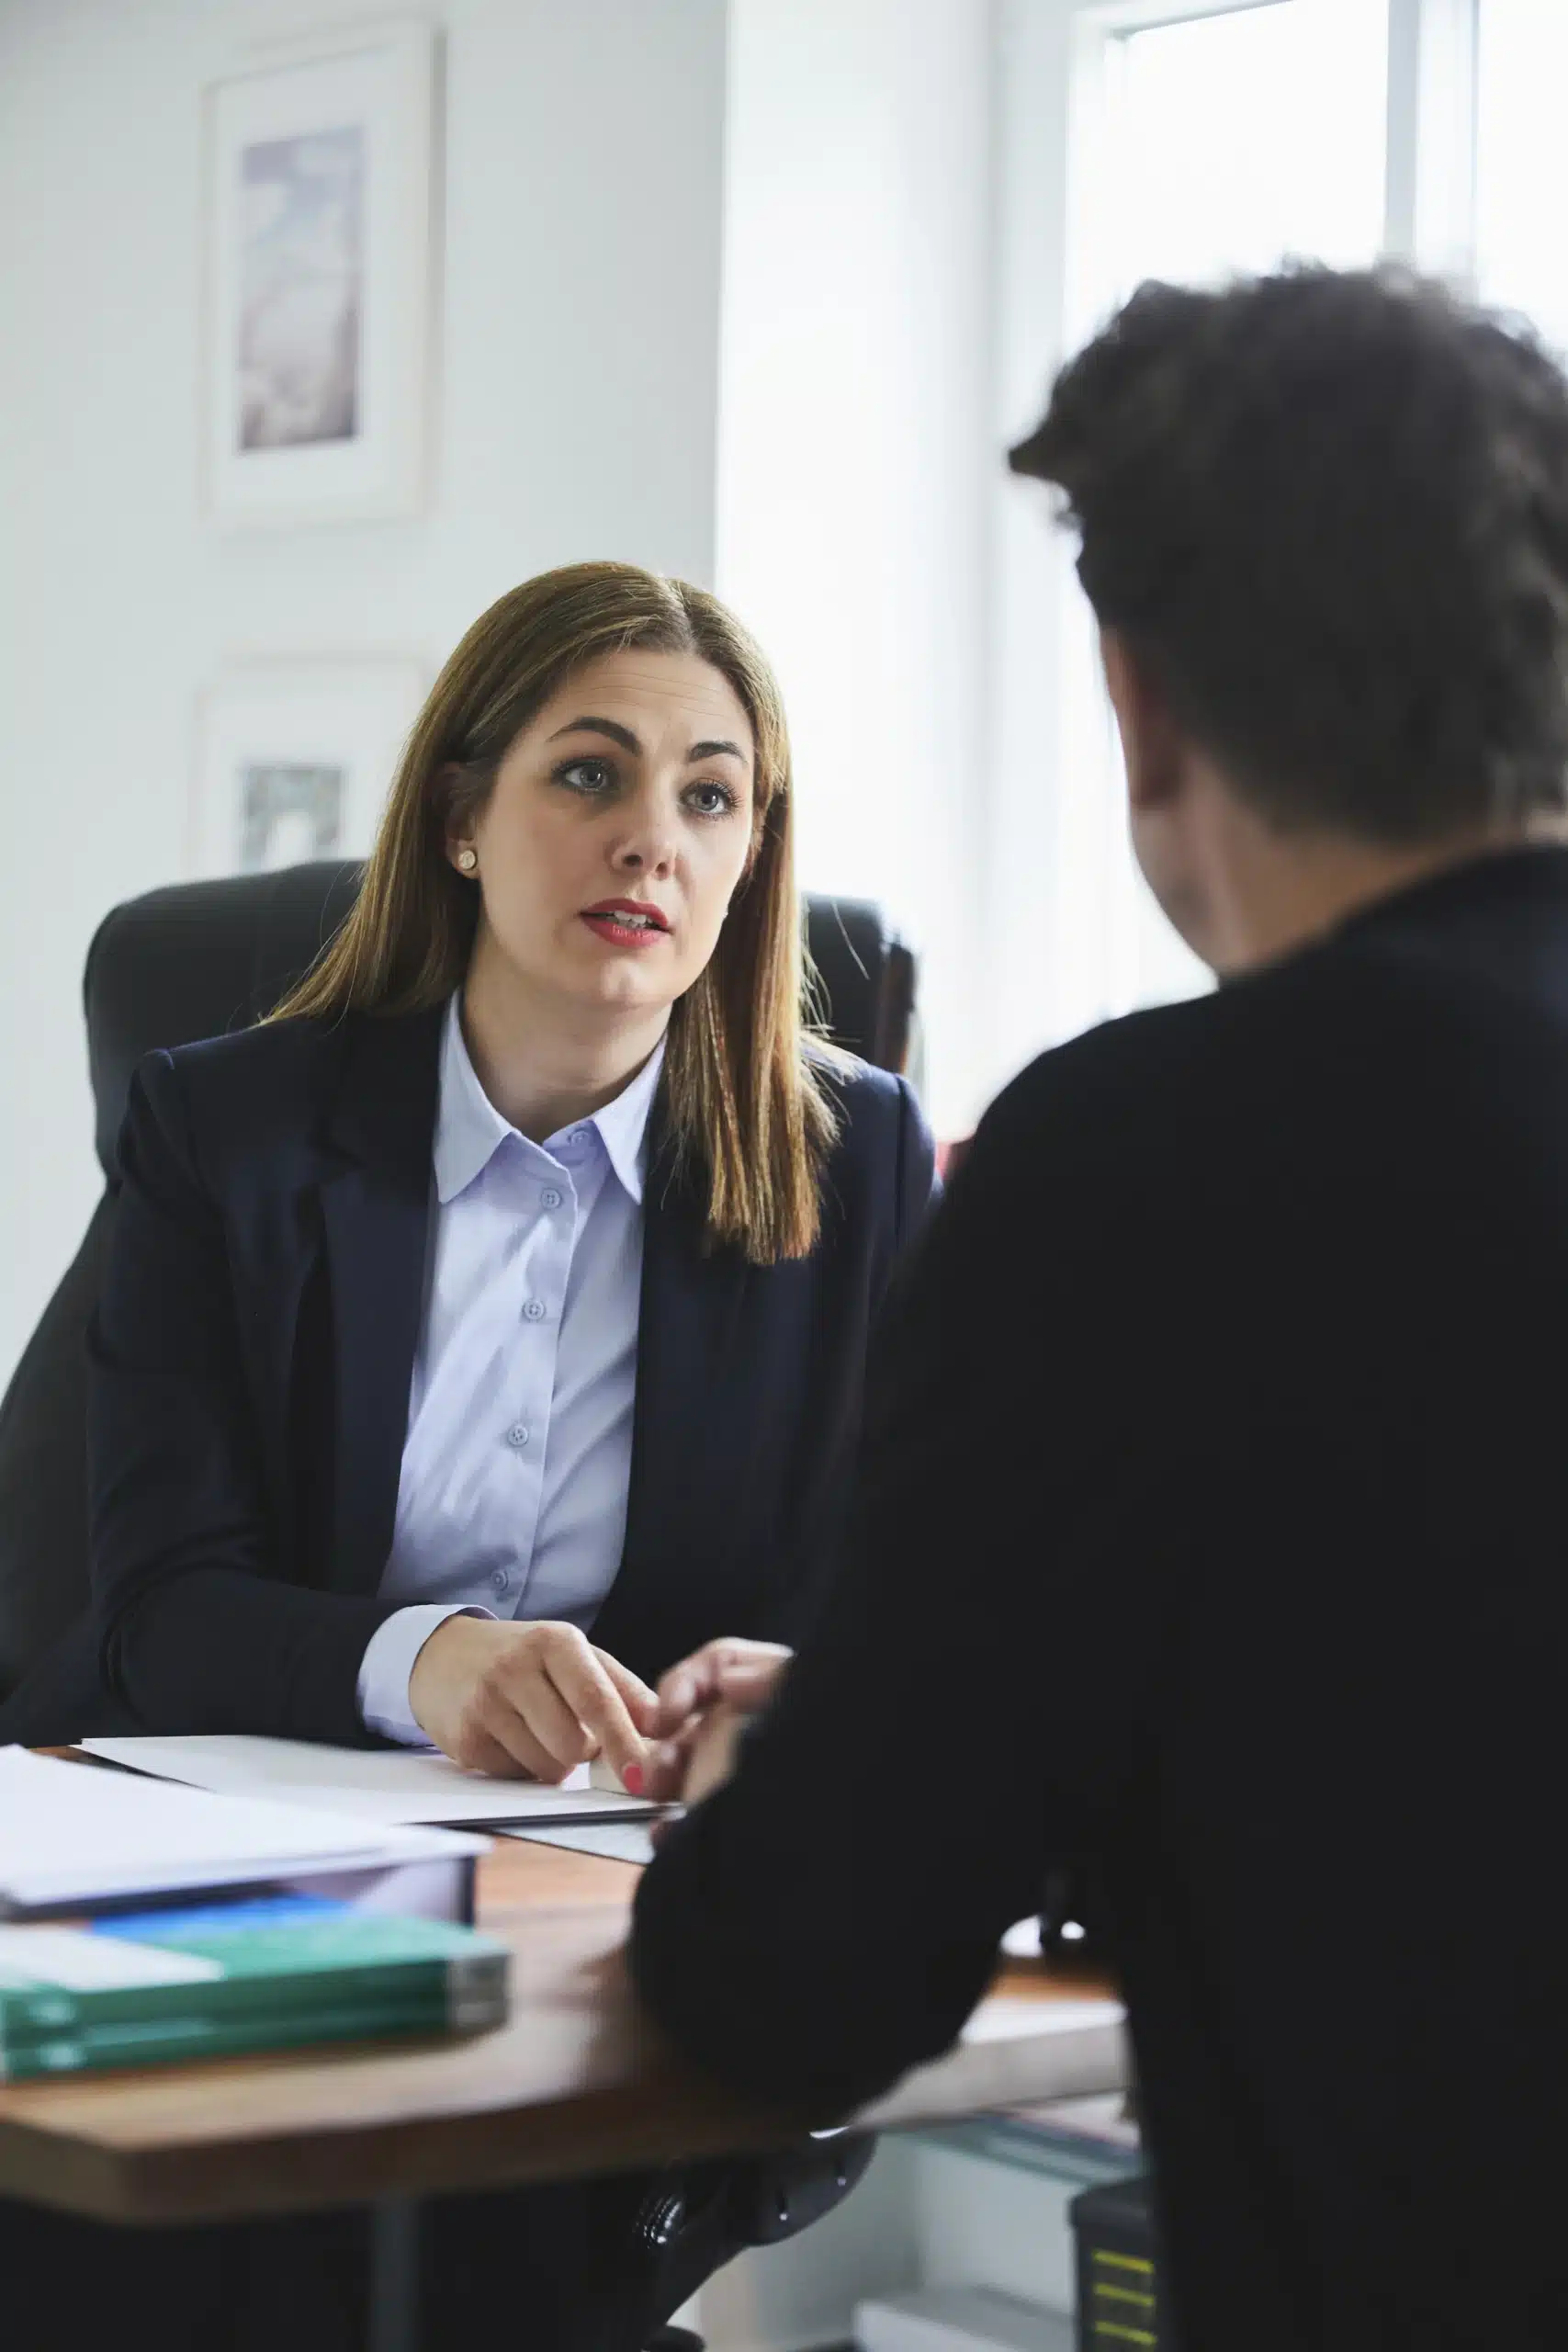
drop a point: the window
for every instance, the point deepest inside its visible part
(1233, 140)
(1203, 138)
(1521, 160)
(1220, 144)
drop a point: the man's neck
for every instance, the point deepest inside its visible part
(546, 1062)
(1276, 893)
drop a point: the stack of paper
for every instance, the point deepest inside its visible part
(71, 1837)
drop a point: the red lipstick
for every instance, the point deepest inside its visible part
(627, 922)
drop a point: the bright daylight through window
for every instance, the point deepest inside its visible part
(1217, 144)
(1521, 161)
(1202, 149)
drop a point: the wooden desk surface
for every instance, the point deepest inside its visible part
(572, 2085)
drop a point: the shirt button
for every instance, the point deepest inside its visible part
(535, 1310)
(550, 1197)
(577, 1134)
(501, 1579)
(517, 1434)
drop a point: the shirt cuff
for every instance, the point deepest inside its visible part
(384, 1670)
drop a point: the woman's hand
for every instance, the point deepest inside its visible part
(704, 1705)
(533, 1700)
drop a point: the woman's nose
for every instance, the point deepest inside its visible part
(647, 848)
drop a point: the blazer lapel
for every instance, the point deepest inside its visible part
(376, 1217)
(687, 1435)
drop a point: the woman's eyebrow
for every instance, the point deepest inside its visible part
(715, 749)
(609, 727)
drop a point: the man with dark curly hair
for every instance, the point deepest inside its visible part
(1212, 1524)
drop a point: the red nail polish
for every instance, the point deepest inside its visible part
(631, 1779)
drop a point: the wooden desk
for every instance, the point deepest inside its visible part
(572, 2085)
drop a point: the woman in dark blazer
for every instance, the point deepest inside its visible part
(580, 909)
(485, 1331)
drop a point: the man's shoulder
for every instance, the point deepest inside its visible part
(1269, 1029)
(1133, 1067)
(1187, 1101)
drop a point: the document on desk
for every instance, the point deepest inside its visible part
(388, 1784)
(613, 1841)
(69, 1835)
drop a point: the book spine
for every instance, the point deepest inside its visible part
(171, 2041)
(446, 1985)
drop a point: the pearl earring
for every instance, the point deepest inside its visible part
(467, 859)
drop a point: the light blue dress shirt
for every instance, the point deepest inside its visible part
(512, 1501)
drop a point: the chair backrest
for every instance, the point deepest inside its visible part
(195, 960)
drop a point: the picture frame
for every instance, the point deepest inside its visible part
(316, 310)
(295, 759)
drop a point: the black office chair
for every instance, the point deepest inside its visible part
(197, 959)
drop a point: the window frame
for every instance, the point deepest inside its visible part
(1053, 62)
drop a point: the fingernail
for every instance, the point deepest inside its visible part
(631, 1779)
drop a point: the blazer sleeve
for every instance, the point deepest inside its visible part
(916, 1187)
(200, 1628)
(976, 1681)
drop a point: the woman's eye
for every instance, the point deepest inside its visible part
(712, 799)
(587, 776)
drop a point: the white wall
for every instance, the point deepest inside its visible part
(855, 451)
(577, 345)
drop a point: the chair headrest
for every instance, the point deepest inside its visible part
(197, 959)
(865, 977)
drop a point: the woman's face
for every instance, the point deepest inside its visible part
(619, 824)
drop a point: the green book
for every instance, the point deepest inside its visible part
(243, 1975)
(177, 2041)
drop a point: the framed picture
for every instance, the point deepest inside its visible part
(294, 760)
(316, 318)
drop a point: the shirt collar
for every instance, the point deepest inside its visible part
(622, 1124)
(469, 1130)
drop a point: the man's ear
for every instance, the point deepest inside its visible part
(1152, 743)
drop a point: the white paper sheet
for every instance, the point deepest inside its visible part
(614, 1841)
(401, 1784)
(69, 1834)
(79, 1961)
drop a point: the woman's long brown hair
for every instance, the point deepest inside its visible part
(745, 1102)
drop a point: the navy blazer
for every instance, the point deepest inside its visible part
(255, 1343)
